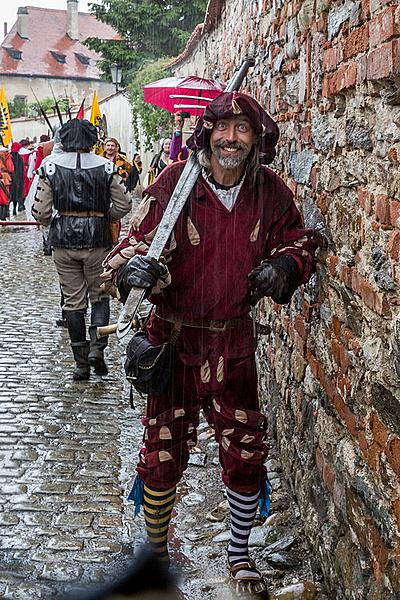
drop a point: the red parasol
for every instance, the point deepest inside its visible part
(190, 94)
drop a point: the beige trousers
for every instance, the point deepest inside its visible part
(79, 273)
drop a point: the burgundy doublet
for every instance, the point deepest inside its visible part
(209, 258)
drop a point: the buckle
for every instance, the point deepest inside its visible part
(217, 325)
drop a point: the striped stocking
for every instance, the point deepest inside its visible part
(158, 507)
(243, 509)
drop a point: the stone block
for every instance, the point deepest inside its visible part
(301, 164)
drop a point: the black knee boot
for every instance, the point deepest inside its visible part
(100, 316)
(80, 347)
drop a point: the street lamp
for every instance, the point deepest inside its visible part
(116, 75)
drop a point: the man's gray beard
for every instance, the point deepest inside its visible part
(230, 162)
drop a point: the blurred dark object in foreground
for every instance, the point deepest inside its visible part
(147, 579)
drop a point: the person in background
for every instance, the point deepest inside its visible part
(111, 152)
(160, 160)
(6, 174)
(137, 161)
(178, 151)
(87, 193)
(25, 152)
(40, 151)
(17, 183)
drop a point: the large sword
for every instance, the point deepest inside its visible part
(184, 186)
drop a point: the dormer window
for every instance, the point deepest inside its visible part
(60, 58)
(85, 60)
(15, 54)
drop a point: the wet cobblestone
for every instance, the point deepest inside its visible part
(67, 454)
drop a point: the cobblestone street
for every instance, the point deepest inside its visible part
(67, 455)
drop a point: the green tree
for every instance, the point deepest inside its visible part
(149, 29)
(17, 107)
(153, 121)
(48, 106)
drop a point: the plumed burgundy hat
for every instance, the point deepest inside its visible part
(232, 104)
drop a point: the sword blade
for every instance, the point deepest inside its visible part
(174, 208)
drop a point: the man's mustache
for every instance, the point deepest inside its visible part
(234, 145)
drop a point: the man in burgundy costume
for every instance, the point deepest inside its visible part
(240, 237)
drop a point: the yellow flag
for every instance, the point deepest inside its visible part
(95, 114)
(5, 123)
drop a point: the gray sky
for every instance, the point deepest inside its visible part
(8, 12)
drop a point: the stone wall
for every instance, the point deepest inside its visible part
(329, 73)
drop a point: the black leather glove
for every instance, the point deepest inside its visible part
(140, 272)
(277, 279)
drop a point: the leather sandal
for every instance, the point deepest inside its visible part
(247, 587)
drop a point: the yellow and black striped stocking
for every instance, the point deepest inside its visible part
(158, 507)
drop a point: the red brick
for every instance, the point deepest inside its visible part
(328, 476)
(344, 385)
(392, 452)
(305, 134)
(335, 347)
(396, 510)
(337, 326)
(322, 202)
(300, 326)
(365, 199)
(375, 300)
(345, 275)
(395, 213)
(362, 442)
(393, 246)
(351, 341)
(331, 59)
(383, 26)
(378, 430)
(384, 62)
(393, 156)
(373, 454)
(382, 209)
(356, 42)
(344, 78)
(345, 414)
(332, 263)
(365, 12)
(379, 551)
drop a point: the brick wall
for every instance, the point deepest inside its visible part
(329, 73)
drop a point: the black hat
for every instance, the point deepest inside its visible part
(78, 134)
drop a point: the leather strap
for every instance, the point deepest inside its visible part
(212, 325)
(87, 213)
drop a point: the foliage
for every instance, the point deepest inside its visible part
(149, 29)
(153, 121)
(17, 107)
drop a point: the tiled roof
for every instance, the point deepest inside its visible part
(47, 39)
(190, 45)
(213, 13)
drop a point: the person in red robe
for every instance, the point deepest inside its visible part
(6, 175)
(240, 237)
(40, 151)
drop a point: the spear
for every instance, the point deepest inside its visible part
(56, 105)
(43, 113)
(67, 109)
